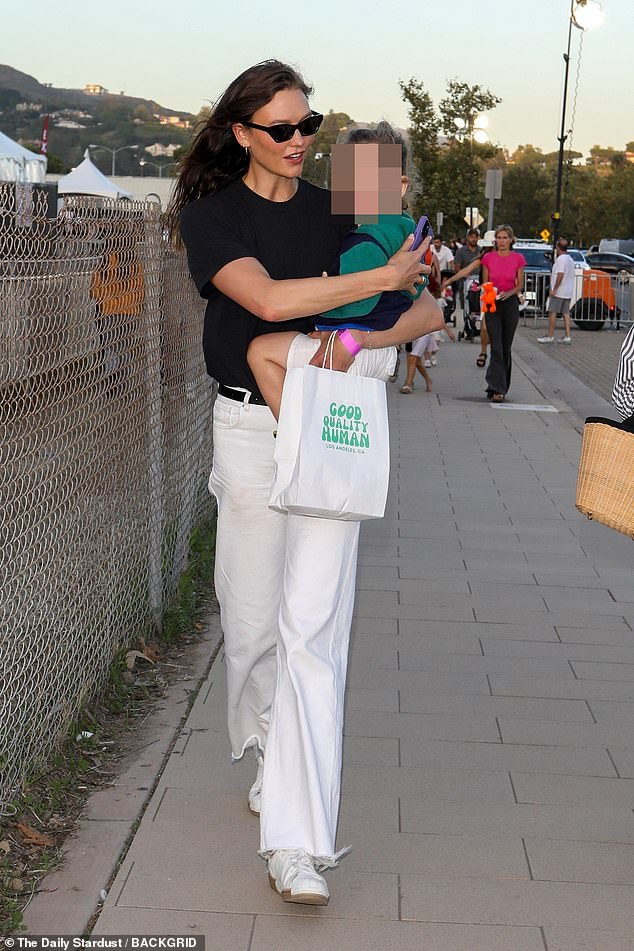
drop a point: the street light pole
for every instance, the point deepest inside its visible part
(475, 125)
(584, 14)
(113, 152)
(562, 136)
(161, 167)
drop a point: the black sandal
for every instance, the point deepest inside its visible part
(482, 359)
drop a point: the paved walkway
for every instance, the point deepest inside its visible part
(489, 756)
(592, 357)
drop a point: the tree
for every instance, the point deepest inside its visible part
(143, 113)
(317, 162)
(527, 198)
(54, 163)
(452, 174)
(424, 147)
(605, 158)
(464, 102)
(600, 205)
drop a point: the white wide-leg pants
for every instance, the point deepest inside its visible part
(285, 585)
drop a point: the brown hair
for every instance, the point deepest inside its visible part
(214, 158)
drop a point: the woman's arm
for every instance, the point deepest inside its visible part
(485, 274)
(435, 269)
(465, 272)
(248, 283)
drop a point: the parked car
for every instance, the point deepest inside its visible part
(578, 257)
(536, 274)
(620, 264)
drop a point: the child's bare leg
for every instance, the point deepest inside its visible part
(267, 356)
(408, 386)
(423, 372)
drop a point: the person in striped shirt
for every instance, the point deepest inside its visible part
(623, 392)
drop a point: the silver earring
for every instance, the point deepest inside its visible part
(246, 150)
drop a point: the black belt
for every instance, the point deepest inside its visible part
(239, 395)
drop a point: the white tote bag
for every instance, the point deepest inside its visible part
(332, 454)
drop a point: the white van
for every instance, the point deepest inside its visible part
(616, 246)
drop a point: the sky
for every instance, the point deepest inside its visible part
(354, 52)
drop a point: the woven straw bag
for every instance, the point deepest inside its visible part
(605, 482)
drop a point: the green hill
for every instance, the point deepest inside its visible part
(79, 119)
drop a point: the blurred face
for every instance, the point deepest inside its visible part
(283, 159)
(472, 241)
(437, 244)
(367, 180)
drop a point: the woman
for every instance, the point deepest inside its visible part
(505, 268)
(258, 240)
(623, 391)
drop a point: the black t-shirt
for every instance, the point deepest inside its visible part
(292, 239)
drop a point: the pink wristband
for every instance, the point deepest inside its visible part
(349, 342)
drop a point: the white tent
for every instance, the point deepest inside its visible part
(18, 164)
(86, 179)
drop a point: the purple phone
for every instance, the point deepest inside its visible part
(423, 229)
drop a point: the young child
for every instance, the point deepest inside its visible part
(370, 156)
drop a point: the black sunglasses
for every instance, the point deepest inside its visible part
(284, 131)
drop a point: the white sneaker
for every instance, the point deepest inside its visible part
(564, 340)
(434, 362)
(427, 364)
(255, 793)
(292, 875)
(545, 340)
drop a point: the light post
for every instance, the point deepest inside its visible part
(584, 15)
(114, 152)
(475, 127)
(143, 162)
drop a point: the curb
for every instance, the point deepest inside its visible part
(68, 899)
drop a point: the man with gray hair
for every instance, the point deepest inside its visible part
(562, 285)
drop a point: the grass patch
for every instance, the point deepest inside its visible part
(87, 757)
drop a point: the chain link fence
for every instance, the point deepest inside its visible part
(105, 449)
(599, 299)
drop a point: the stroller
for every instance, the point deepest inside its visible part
(472, 315)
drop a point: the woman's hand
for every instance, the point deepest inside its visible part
(405, 268)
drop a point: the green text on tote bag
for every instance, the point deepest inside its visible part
(345, 428)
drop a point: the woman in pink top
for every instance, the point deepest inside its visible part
(505, 269)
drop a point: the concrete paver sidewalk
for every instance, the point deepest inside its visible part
(489, 753)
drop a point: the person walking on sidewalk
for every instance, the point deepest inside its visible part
(471, 254)
(562, 287)
(463, 256)
(258, 241)
(505, 269)
(443, 253)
